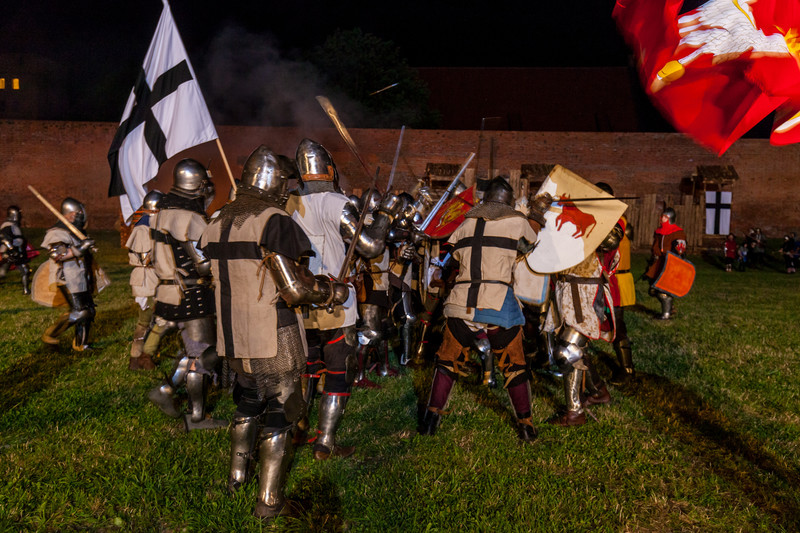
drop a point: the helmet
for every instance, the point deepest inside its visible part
(151, 199)
(499, 191)
(315, 163)
(268, 172)
(71, 205)
(669, 213)
(190, 177)
(423, 204)
(370, 200)
(13, 214)
(605, 187)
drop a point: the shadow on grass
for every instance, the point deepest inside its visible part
(682, 414)
(321, 508)
(36, 370)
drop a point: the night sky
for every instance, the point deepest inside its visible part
(102, 44)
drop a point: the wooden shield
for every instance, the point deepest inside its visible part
(677, 276)
(450, 215)
(573, 230)
(42, 292)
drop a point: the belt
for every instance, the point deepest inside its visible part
(624, 271)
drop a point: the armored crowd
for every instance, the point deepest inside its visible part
(287, 299)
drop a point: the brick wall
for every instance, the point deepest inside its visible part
(69, 158)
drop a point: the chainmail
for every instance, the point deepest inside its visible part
(287, 366)
(493, 211)
(249, 202)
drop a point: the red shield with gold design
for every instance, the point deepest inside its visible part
(450, 215)
(573, 229)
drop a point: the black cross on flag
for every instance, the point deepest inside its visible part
(165, 114)
(718, 212)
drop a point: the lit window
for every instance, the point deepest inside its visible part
(15, 84)
(2, 83)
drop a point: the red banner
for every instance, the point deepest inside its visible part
(719, 69)
(451, 215)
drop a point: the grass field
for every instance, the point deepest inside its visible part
(709, 440)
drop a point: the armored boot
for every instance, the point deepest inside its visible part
(419, 354)
(626, 374)
(163, 396)
(274, 456)
(51, 334)
(362, 380)
(574, 415)
(196, 388)
(331, 410)
(244, 431)
(525, 430)
(308, 387)
(666, 306)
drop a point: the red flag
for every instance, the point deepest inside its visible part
(450, 215)
(719, 69)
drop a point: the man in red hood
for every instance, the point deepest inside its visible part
(668, 237)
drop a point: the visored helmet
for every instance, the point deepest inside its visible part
(151, 199)
(190, 177)
(315, 163)
(13, 214)
(670, 214)
(71, 205)
(268, 172)
(499, 190)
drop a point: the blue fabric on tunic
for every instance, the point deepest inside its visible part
(509, 316)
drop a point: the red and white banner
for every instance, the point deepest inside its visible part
(719, 69)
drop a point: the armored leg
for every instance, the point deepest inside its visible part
(140, 360)
(574, 415)
(244, 430)
(25, 270)
(331, 410)
(627, 374)
(568, 357)
(666, 306)
(51, 334)
(598, 392)
(273, 457)
(163, 396)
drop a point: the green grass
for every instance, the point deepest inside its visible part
(707, 441)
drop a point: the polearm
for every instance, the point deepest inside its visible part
(348, 140)
(227, 166)
(58, 215)
(599, 198)
(447, 193)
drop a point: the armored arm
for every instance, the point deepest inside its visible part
(296, 285)
(199, 260)
(372, 239)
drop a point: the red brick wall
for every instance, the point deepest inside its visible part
(69, 158)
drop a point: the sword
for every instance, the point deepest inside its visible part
(447, 193)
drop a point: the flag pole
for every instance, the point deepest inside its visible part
(227, 167)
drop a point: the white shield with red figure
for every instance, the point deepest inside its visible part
(573, 229)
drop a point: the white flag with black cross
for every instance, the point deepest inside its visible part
(718, 212)
(165, 114)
